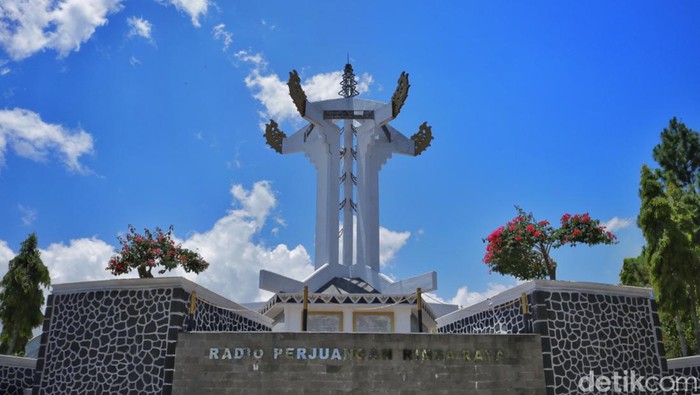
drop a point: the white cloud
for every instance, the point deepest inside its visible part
(617, 223)
(256, 59)
(220, 33)
(28, 214)
(390, 243)
(81, 260)
(235, 259)
(134, 61)
(272, 91)
(465, 298)
(257, 202)
(6, 256)
(193, 8)
(30, 26)
(5, 71)
(32, 138)
(139, 27)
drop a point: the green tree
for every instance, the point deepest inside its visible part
(670, 220)
(678, 154)
(635, 272)
(522, 247)
(21, 297)
(152, 249)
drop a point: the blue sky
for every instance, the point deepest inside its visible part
(148, 113)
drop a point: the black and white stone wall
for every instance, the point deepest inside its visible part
(581, 331)
(692, 371)
(503, 318)
(16, 374)
(685, 367)
(211, 318)
(584, 332)
(120, 336)
(112, 341)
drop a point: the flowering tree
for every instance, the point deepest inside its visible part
(522, 247)
(144, 252)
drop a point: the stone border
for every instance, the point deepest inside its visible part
(19, 362)
(545, 285)
(684, 362)
(162, 282)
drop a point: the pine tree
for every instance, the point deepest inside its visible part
(21, 297)
(678, 154)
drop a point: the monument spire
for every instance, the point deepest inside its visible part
(347, 179)
(348, 83)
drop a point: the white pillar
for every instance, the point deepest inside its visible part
(324, 153)
(348, 228)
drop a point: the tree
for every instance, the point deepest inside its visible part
(635, 272)
(522, 246)
(679, 154)
(21, 297)
(144, 252)
(666, 217)
(670, 220)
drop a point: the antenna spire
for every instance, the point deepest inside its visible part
(348, 84)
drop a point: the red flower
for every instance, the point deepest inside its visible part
(544, 223)
(565, 218)
(575, 233)
(530, 228)
(495, 234)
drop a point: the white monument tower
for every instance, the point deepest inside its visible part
(348, 140)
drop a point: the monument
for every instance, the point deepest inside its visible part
(348, 140)
(368, 142)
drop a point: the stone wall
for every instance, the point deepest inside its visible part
(208, 317)
(120, 336)
(506, 317)
(584, 327)
(16, 374)
(333, 363)
(687, 367)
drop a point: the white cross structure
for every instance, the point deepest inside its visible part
(368, 141)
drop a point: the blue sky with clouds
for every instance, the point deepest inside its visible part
(148, 113)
